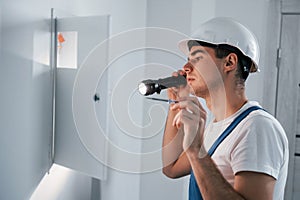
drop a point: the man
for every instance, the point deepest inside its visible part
(252, 161)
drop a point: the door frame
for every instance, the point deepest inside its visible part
(277, 10)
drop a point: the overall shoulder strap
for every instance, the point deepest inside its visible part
(194, 192)
(228, 130)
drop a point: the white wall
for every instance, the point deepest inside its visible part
(25, 106)
(25, 86)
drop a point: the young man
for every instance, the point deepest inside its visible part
(252, 161)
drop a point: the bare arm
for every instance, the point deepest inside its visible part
(253, 185)
(248, 185)
(175, 161)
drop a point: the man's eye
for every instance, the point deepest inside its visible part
(197, 59)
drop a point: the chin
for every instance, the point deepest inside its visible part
(199, 92)
(195, 92)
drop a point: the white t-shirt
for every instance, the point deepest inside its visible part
(257, 144)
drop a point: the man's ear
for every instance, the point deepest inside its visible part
(231, 62)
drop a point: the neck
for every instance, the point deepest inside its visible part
(226, 101)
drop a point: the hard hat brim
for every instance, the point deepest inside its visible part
(183, 47)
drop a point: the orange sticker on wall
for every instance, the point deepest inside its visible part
(60, 38)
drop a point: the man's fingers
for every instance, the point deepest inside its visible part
(191, 107)
(177, 120)
(179, 72)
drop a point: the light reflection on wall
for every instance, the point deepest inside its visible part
(62, 183)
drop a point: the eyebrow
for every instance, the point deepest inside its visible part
(198, 51)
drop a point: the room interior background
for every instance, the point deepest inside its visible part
(37, 165)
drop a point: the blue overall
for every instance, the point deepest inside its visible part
(194, 192)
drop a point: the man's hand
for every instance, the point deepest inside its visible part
(192, 116)
(174, 93)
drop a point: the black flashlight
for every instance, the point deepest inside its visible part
(148, 87)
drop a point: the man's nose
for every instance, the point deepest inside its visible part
(188, 67)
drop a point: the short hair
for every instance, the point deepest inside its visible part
(223, 50)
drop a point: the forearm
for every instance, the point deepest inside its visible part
(210, 181)
(175, 162)
(172, 141)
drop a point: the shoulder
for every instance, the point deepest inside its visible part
(262, 129)
(263, 123)
(261, 145)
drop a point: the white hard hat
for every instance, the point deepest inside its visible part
(223, 30)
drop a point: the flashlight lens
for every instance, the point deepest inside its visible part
(143, 88)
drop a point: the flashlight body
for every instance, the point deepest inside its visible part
(148, 87)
